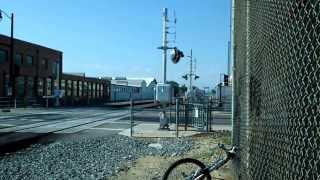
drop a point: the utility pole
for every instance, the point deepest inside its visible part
(12, 69)
(163, 90)
(190, 75)
(165, 44)
(11, 89)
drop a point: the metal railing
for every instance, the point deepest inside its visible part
(183, 114)
(7, 102)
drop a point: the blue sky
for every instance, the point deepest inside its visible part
(120, 37)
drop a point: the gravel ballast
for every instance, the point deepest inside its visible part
(85, 158)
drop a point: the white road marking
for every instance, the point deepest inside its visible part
(108, 129)
(88, 126)
(7, 125)
(80, 124)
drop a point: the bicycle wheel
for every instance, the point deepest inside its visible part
(185, 169)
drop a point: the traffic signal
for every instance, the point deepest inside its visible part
(196, 77)
(176, 55)
(185, 77)
(226, 79)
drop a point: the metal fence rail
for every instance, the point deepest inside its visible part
(276, 120)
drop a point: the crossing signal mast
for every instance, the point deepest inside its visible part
(191, 75)
(163, 90)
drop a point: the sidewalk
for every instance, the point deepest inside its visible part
(152, 130)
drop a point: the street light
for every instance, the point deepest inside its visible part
(11, 90)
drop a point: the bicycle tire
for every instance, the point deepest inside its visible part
(184, 161)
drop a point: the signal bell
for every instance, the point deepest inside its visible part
(176, 55)
(185, 77)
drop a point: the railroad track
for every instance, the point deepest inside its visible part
(22, 137)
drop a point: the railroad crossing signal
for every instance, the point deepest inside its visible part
(226, 79)
(185, 77)
(176, 55)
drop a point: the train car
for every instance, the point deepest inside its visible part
(125, 92)
(81, 90)
(123, 89)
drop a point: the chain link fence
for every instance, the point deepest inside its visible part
(276, 121)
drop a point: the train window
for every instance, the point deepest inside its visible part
(75, 88)
(93, 90)
(69, 87)
(89, 89)
(63, 84)
(102, 90)
(80, 88)
(85, 89)
(98, 90)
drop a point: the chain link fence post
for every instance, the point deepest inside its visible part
(177, 117)
(131, 118)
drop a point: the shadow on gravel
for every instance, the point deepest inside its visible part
(12, 142)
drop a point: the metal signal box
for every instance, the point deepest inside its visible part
(163, 93)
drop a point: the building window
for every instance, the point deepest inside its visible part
(6, 81)
(20, 86)
(44, 63)
(49, 93)
(29, 60)
(3, 55)
(40, 87)
(30, 86)
(54, 67)
(18, 59)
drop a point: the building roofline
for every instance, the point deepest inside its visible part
(30, 43)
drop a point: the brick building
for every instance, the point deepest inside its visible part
(37, 72)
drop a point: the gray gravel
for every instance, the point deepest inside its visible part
(85, 158)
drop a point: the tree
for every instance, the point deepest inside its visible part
(175, 87)
(183, 89)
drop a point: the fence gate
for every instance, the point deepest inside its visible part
(195, 116)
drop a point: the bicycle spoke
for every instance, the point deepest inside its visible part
(184, 171)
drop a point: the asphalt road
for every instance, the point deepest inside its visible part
(82, 121)
(63, 121)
